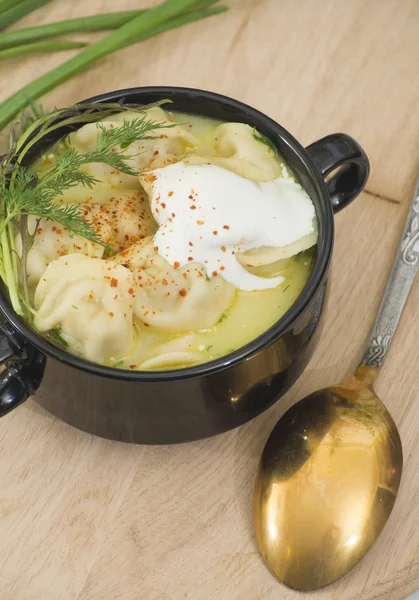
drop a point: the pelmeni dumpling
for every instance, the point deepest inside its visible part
(171, 354)
(168, 145)
(238, 151)
(165, 146)
(122, 220)
(52, 240)
(174, 299)
(268, 255)
(91, 301)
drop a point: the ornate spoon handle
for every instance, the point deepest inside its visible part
(403, 271)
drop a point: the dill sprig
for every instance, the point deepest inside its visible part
(24, 192)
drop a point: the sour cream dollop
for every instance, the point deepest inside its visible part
(208, 214)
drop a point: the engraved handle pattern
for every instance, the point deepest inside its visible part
(404, 269)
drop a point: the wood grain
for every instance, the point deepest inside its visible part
(86, 519)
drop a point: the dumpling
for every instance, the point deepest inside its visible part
(268, 255)
(122, 220)
(91, 301)
(241, 153)
(175, 353)
(174, 299)
(52, 240)
(167, 146)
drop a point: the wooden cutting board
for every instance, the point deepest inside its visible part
(87, 519)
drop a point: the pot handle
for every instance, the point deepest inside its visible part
(24, 368)
(341, 153)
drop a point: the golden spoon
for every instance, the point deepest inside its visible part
(331, 468)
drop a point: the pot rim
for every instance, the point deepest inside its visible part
(324, 245)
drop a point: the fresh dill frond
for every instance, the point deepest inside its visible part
(108, 251)
(129, 132)
(29, 196)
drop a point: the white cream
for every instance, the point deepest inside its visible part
(208, 214)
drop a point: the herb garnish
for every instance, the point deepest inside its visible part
(263, 140)
(24, 192)
(222, 318)
(58, 332)
(108, 251)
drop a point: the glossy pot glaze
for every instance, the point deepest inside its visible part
(197, 402)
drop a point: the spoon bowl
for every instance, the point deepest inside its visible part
(327, 482)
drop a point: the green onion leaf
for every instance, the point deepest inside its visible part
(9, 39)
(53, 46)
(58, 331)
(18, 11)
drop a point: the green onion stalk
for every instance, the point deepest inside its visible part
(18, 10)
(47, 46)
(9, 39)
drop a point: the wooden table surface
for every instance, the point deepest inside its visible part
(89, 519)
